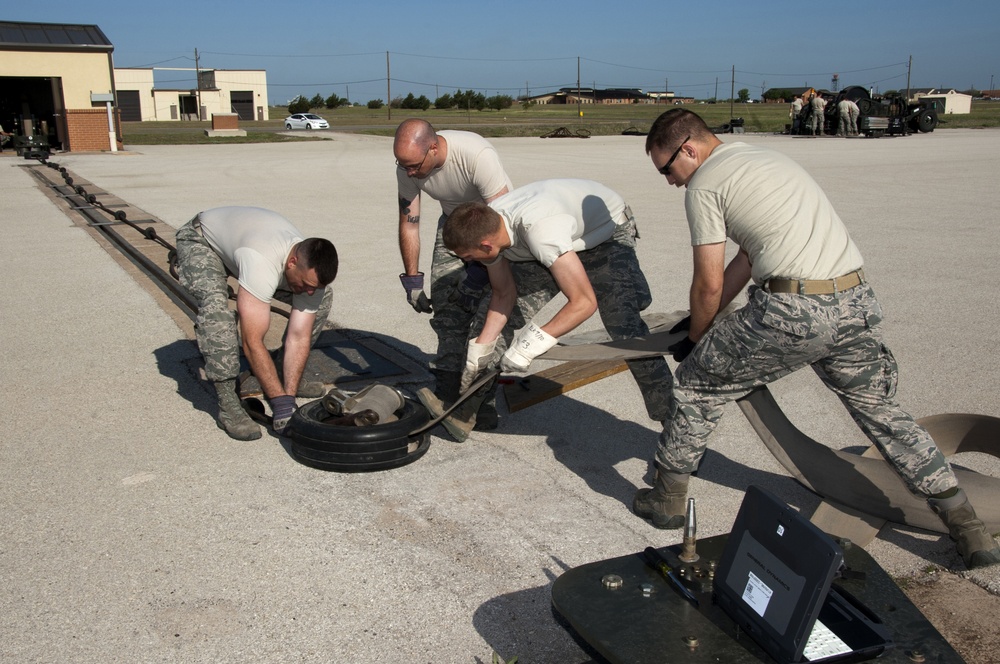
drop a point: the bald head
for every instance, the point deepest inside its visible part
(413, 135)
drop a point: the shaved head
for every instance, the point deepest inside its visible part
(413, 136)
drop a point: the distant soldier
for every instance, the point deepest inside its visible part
(795, 113)
(817, 109)
(853, 114)
(844, 118)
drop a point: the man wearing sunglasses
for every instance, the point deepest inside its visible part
(452, 167)
(809, 305)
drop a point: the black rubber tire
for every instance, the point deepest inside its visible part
(326, 446)
(926, 121)
(310, 423)
(360, 463)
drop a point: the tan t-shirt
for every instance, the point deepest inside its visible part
(254, 244)
(472, 172)
(773, 209)
(548, 218)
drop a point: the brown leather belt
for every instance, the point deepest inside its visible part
(816, 286)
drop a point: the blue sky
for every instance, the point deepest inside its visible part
(507, 47)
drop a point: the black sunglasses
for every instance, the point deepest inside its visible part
(670, 162)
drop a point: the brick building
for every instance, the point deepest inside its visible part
(57, 83)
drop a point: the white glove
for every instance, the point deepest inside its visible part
(529, 343)
(477, 359)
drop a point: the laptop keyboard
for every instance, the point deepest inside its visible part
(823, 643)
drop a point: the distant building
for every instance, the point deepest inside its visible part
(240, 91)
(57, 82)
(609, 96)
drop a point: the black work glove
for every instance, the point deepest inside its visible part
(681, 349)
(413, 284)
(282, 409)
(683, 325)
(470, 289)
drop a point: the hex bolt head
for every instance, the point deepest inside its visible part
(612, 581)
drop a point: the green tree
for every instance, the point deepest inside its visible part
(444, 101)
(418, 103)
(299, 105)
(333, 101)
(499, 102)
(469, 99)
(317, 101)
(744, 95)
(375, 104)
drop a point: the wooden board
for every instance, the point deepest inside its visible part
(558, 380)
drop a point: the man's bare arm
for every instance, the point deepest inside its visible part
(502, 299)
(255, 319)
(409, 234)
(706, 286)
(571, 277)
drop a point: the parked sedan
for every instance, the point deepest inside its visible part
(306, 121)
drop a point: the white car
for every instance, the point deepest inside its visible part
(306, 121)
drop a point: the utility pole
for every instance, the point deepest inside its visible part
(388, 89)
(732, 92)
(197, 78)
(909, 68)
(666, 91)
(716, 97)
(579, 112)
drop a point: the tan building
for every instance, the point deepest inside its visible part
(57, 83)
(239, 91)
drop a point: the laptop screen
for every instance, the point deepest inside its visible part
(775, 572)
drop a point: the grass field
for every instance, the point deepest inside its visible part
(597, 120)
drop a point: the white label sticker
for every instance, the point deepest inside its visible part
(781, 530)
(757, 594)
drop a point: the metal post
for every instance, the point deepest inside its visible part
(112, 135)
(732, 92)
(388, 89)
(579, 112)
(197, 78)
(909, 67)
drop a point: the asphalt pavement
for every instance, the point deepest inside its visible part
(134, 530)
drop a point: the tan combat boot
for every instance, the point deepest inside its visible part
(232, 418)
(977, 546)
(664, 504)
(461, 420)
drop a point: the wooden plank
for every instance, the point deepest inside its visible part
(558, 380)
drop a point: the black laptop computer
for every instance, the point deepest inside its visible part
(775, 581)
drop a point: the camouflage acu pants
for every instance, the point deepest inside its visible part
(622, 294)
(203, 274)
(449, 321)
(776, 334)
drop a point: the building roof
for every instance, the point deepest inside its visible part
(52, 36)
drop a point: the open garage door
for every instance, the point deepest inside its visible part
(33, 106)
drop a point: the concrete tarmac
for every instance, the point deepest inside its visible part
(134, 530)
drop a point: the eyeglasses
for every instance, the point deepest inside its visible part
(409, 168)
(670, 162)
